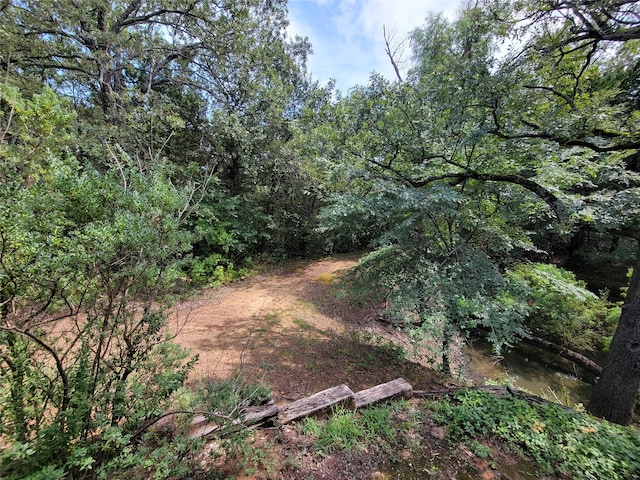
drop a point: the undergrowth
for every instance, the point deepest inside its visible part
(561, 441)
(349, 429)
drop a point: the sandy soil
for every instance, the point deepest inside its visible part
(287, 329)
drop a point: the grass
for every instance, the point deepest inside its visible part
(272, 319)
(303, 324)
(326, 278)
(539, 440)
(348, 429)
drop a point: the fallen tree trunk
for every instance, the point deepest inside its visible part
(497, 391)
(560, 350)
(565, 352)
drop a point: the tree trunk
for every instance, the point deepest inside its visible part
(614, 396)
(446, 353)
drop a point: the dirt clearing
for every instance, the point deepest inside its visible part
(287, 329)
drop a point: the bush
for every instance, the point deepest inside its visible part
(561, 441)
(562, 308)
(89, 261)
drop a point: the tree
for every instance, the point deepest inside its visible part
(431, 191)
(541, 132)
(213, 87)
(88, 264)
(580, 70)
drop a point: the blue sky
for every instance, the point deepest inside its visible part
(347, 35)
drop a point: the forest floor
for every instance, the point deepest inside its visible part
(286, 328)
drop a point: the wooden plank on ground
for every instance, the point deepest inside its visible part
(254, 417)
(260, 416)
(317, 403)
(394, 388)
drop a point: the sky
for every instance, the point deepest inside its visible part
(347, 35)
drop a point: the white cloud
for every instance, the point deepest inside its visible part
(347, 35)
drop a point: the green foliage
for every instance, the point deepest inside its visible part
(214, 270)
(223, 402)
(561, 441)
(347, 429)
(434, 299)
(563, 309)
(87, 265)
(228, 397)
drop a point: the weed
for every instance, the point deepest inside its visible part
(307, 342)
(260, 459)
(347, 429)
(311, 427)
(377, 423)
(398, 352)
(480, 450)
(341, 430)
(560, 441)
(326, 278)
(272, 319)
(303, 324)
(225, 396)
(288, 354)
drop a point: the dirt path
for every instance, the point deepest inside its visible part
(286, 329)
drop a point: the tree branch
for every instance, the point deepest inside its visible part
(390, 54)
(544, 194)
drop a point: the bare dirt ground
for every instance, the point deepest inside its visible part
(286, 329)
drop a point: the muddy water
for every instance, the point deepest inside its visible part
(530, 369)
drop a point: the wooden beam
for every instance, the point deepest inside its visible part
(317, 403)
(394, 388)
(253, 417)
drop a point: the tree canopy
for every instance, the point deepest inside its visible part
(517, 125)
(148, 146)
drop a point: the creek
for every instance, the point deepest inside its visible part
(531, 369)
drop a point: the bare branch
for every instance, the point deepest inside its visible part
(388, 38)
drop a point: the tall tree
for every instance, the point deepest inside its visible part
(588, 74)
(432, 190)
(212, 86)
(542, 130)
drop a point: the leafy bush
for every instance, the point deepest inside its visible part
(88, 261)
(214, 270)
(563, 309)
(435, 300)
(561, 441)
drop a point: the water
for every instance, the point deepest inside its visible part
(531, 369)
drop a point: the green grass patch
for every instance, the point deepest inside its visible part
(303, 324)
(272, 319)
(348, 429)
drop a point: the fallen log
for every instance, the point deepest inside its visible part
(497, 391)
(386, 391)
(317, 403)
(565, 352)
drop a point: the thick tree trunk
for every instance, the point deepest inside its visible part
(614, 396)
